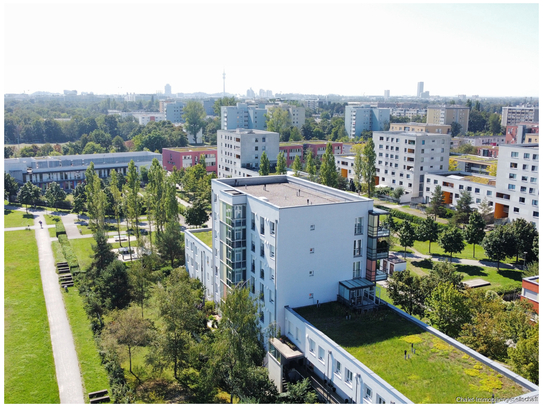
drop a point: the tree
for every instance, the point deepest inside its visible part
(297, 165)
(281, 163)
(524, 358)
(156, 194)
(127, 328)
(443, 272)
(258, 387)
(264, 164)
(436, 205)
(132, 208)
(154, 141)
(368, 166)
(310, 166)
(177, 300)
(117, 200)
(295, 135)
(525, 233)
(299, 393)
(328, 171)
(485, 209)
(463, 207)
(405, 290)
(358, 167)
(453, 164)
(10, 187)
(28, 194)
(456, 128)
(54, 194)
(494, 123)
(225, 101)
(474, 232)
(118, 144)
(406, 235)
(237, 347)
(112, 284)
(493, 169)
(170, 243)
(194, 116)
(93, 148)
(500, 243)
(447, 309)
(278, 120)
(197, 215)
(428, 231)
(397, 193)
(102, 255)
(451, 241)
(96, 200)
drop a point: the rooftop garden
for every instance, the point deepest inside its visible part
(435, 373)
(480, 180)
(476, 158)
(205, 237)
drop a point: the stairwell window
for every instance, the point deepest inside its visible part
(338, 368)
(348, 376)
(312, 346)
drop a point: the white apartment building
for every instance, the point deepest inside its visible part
(297, 116)
(243, 116)
(404, 157)
(239, 151)
(519, 114)
(345, 165)
(513, 193)
(359, 118)
(199, 262)
(479, 141)
(144, 118)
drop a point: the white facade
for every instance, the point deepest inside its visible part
(199, 262)
(359, 118)
(519, 114)
(404, 157)
(297, 116)
(479, 141)
(239, 151)
(274, 233)
(144, 118)
(345, 165)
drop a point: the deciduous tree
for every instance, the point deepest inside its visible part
(11, 187)
(54, 194)
(500, 243)
(328, 171)
(170, 243)
(428, 231)
(368, 166)
(264, 164)
(297, 165)
(447, 309)
(194, 116)
(281, 163)
(406, 233)
(405, 290)
(474, 232)
(451, 241)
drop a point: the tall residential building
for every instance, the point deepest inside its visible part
(447, 114)
(404, 157)
(174, 111)
(209, 106)
(250, 93)
(243, 116)
(359, 118)
(167, 89)
(420, 127)
(387, 94)
(239, 151)
(297, 116)
(420, 89)
(519, 114)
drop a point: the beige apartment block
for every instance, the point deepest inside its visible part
(448, 114)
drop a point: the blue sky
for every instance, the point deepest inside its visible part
(350, 48)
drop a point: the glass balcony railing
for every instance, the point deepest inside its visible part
(379, 231)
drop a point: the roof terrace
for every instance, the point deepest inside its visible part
(435, 373)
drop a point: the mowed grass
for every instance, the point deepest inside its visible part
(29, 369)
(436, 373)
(52, 220)
(93, 372)
(17, 219)
(83, 249)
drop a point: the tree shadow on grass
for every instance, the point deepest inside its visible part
(511, 274)
(471, 270)
(29, 216)
(423, 264)
(7, 211)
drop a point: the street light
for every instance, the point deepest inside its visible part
(525, 253)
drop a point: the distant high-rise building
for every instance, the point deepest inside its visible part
(420, 89)
(387, 94)
(250, 93)
(519, 114)
(269, 94)
(243, 116)
(425, 95)
(167, 89)
(359, 118)
(262, 93)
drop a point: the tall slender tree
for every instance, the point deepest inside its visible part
(436, 206)
(297, 165)
(281, 163)
(428, 230)
(264, 164)
(310, 166)
(474, 232)
(358, 167)
(117, 200)
(368, 166)
(328, 171)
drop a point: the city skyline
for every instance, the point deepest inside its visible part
(452, 48)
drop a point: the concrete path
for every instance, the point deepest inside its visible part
(66, 362)
(208, 224)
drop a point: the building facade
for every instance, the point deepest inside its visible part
(359, 118)
(144, 118)
(447, 114)
(530, 291)
(522, 133)
(421, 127)
(243, 116)
(420, 89)
(239, 151)
(188, 157)
(174, 111)
(69, 170)
(404, 157)
(519, 114)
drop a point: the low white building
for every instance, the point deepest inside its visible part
(144, 118)
(199, 261)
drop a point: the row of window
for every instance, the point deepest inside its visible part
(526, 156)
(514, 166)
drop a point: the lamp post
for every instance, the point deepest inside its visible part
(525, 253)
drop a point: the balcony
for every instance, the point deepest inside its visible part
(379, 231)
(380, 276)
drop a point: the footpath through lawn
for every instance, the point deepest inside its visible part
(29, 368)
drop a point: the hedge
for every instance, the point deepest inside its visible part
(407, 216)
(69, 254)
(60, 229)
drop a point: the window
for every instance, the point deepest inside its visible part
(534, 167)
(527, 156)
(435, 182)
(510, 187)
(272, 228)
(513, 165)
(533, 179)
(531, 191)
(522, 189)
(358, 225)
(262, 225)
(380, 400)
(522, 199)
(356, 269)
(514, 154)
(524, 178)
(488, 193)
(367, 393)
(516, 210)
(338, 368)
(460, 186)
(524, 166)
(348, 376)
(272, 251)
(357, 248)
(312, 346)
(468, 189)
(478, 200)
(261, 248)
(312, 227)
(535, 156)
(536, 214)
(477, 190)
(321, 354)
(535, 202)
(311, 250)
(256, 148)
(512, 176)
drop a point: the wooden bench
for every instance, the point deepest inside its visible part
(99, 393)
(98, 400)
(99, 396)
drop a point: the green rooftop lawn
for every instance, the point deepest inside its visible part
(436, 373)
(29, 369)
(205, 237)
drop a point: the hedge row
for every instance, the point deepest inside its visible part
(60, 229)
(69, 254)
(407, 216)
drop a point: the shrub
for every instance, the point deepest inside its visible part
(60, 229)
(69, 254)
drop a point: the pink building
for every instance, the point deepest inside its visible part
(189, 156)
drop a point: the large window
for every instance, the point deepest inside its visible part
(348, 376)
(321, 354)
(311, 346)
(338, 368)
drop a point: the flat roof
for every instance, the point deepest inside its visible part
(189, 149)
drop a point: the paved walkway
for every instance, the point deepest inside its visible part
(208, 224)
(66, 362)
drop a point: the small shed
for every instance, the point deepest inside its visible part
(392, 264)
(357, 292)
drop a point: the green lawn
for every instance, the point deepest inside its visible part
(16, 219)
(29, 369)
(52, 220)
(57, 252)
(436, 373)
(205, 237)
(467, 253)
(93, 372)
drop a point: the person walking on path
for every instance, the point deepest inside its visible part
(66, 363)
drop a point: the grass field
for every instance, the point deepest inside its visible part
(436, 373)
(52, 220)
(83, 249)
(29, 369)
(93, 372)
(16, 219)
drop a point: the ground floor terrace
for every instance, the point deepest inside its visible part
(382, 356)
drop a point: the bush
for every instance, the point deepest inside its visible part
(69, 254)
(59, 229)
(407, 216)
